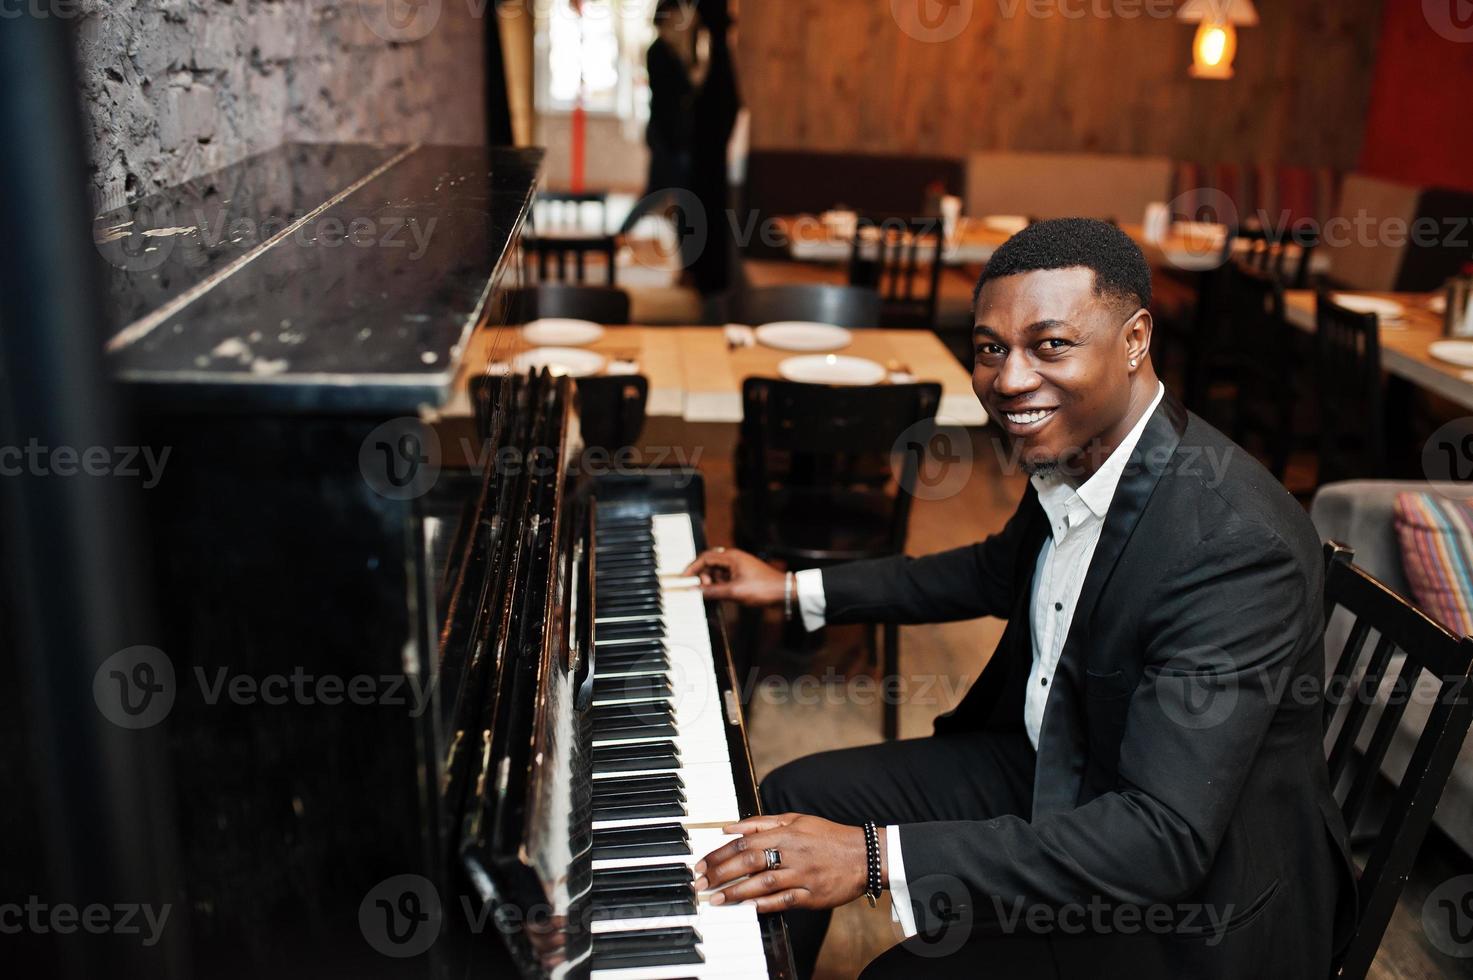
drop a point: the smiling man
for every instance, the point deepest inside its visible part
(1135, 785)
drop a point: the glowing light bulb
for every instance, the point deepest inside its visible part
(1213, 50)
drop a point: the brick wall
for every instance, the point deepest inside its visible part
(175, 88)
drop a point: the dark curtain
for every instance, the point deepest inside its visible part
(715, 114)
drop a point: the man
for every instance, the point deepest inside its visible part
(1135, 784)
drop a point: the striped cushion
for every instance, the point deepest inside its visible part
(1436, 535)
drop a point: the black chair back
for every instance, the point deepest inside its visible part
(843, 306)
(900, 258)
(1427, 649)
(811, 424)
(601, 304)
(611, 410)
(1285, 254)
(1260, 340)
(565, 258)
(1348, 370)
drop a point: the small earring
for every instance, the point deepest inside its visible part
(1132, 362)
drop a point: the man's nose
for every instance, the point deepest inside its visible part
(1016, 376)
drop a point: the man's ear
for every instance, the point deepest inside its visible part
(1138, 337)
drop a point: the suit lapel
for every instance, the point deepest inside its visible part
(1061, 743)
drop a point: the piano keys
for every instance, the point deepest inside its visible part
(578, 744)
(658, 763)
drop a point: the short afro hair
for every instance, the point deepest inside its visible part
(1120, 269)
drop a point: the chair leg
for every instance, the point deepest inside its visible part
(892, 669)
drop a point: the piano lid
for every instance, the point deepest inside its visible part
(313, 277)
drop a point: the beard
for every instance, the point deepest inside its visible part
(1040, 467)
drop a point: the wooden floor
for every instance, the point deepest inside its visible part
(786, 722)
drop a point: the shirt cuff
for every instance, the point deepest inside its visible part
(900, 909)
(811, 604)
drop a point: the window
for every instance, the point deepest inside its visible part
(600, 45)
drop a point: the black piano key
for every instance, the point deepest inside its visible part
(625, 651)
(640, 660)
(646, 876)
(648, 908)
(620, 575)
(639, 629)
(641, 686)
(624, 573)
(633, 894)
(637, 784)
(637, 811)
(635, 729)
(645, 947)
(649, 840)
(639, 755)
(645, 664)
(630, 797)
(644, 606)
(621, 560)
(640, 795)
(619, 712)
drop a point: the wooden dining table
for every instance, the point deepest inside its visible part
(808, 239)
(695, 375)
(1404, 343)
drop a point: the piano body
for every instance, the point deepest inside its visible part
(422, 722)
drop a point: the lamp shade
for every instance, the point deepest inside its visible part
(1239, 13)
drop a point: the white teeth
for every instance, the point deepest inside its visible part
(1023, 418)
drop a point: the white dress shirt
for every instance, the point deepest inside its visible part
(1076, 516)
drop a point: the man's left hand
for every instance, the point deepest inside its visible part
(823, 864)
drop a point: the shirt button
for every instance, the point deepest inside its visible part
(1043, 682)
(1058, 607)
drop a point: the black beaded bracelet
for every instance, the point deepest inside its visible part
(873, 885)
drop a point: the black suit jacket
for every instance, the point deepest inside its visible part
(1180, 764)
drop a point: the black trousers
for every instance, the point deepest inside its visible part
(973, 776)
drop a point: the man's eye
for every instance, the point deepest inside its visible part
(989, 350)
(1054, 345)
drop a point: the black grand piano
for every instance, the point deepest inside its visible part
(404, 719)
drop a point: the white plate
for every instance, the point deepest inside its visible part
(802, 335)
(1008, 224)
(557, 332)
(1386, 309)
(831, 369)
(560, 360)
(1459, 352)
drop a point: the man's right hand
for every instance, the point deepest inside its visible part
(728, 573)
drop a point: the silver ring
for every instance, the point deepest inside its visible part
(719, 549)
(774, 858)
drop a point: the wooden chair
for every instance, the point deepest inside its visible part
(1270, 252)
(563, 211)
(796, 505)
(564, 258)
(1427, 649)
(843, 306)
(889, 256)
(1348, 378)
(1193, 342)
(1261, 341)
(601, 304)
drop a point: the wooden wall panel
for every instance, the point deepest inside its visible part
(842, 75)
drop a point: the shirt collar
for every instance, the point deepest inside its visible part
(1060, 500)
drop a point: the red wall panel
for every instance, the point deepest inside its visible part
(1420, 126)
